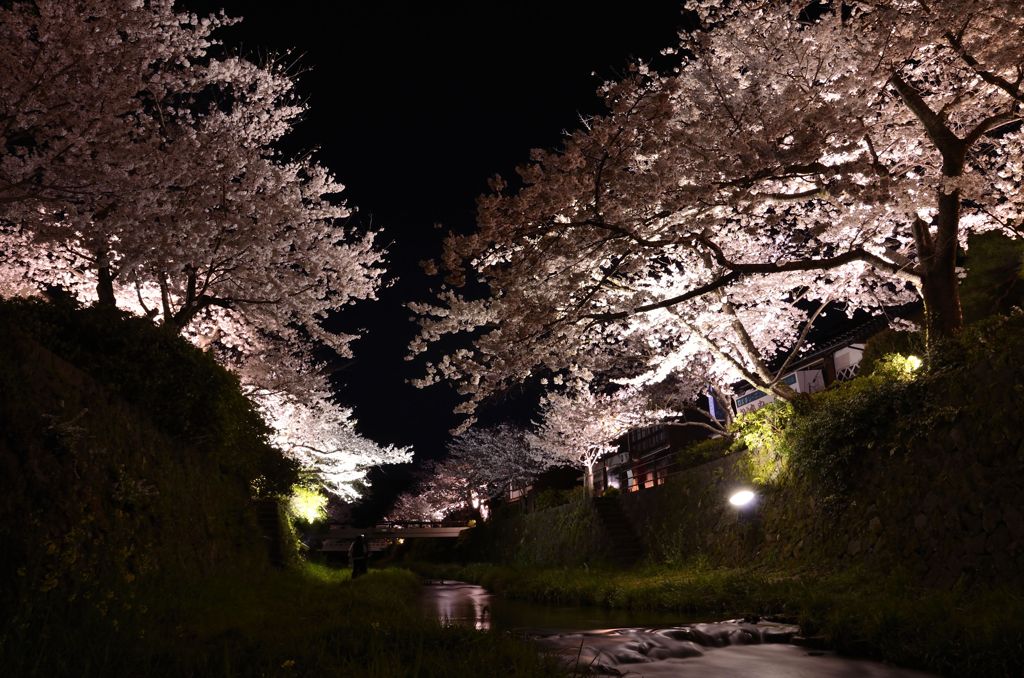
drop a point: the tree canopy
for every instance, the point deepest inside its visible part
(791, 159)
(141, 165)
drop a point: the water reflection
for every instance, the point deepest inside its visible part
(621, 642)
(458, 604)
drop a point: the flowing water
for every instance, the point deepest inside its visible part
(623, 642)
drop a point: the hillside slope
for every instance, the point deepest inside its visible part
(130, 470)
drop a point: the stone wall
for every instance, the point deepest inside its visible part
(560, 536)
(689, 517)
(923, 474)
(944, 507)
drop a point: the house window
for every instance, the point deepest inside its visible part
(647, 438)
(661, 475)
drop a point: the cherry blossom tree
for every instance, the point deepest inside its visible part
(482, 463)
(321, 436)
(420, 506)
(165, 174)
(499, 458)
(140, 166)
(793, 161)
(444, 488)
(579, 426)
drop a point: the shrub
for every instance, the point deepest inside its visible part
(179, 388)
(704, 451)
(551, 497)
(888, 342)
(129, 458)
(763, 433)
(993, 284)
(850, 420)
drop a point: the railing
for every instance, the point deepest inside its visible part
(658, 474)
(757, 394)
(383, 534)
(848, 372)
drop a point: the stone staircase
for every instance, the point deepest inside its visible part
(269, 520)
(626, 547)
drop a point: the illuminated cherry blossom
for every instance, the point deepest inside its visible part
(482, 463)
(140, 166)
(794, 160)
(579, 427)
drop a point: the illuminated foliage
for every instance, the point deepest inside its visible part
(764, 432)
(307, 504)
(141, 167)
(784, 161)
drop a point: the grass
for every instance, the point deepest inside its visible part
(960, 632)
(312, 621)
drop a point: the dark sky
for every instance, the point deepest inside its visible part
(414, 105)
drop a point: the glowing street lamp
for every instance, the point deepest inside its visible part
(742, 498)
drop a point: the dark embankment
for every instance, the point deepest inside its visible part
(129, 463)
(131, 470)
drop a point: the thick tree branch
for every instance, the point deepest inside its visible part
(717, 284)
(989, 124)
(948, 144)
(1012, 89)
(801, 339)
(747, 344)
(855, 254)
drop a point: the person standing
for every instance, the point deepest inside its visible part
(358, 555)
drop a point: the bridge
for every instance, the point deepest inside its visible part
(382, 535)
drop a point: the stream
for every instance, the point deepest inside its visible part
(651, 644)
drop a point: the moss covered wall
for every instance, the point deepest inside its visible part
(925, 476)
(933, 478)
(689, 517)
(560, 536)
(563, 535)
(96, 501)
(943, 507)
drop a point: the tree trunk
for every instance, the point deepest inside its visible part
(943, 315)
(588, 479)
(783, 391)
(723, 403)
(104, 283)
(937, 254)
(940, 287)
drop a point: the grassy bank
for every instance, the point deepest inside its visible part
(130, 544)
(956, 633)
(312, 621)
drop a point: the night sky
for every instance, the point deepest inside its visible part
(413, 105)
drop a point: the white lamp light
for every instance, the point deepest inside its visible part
(742, 498)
